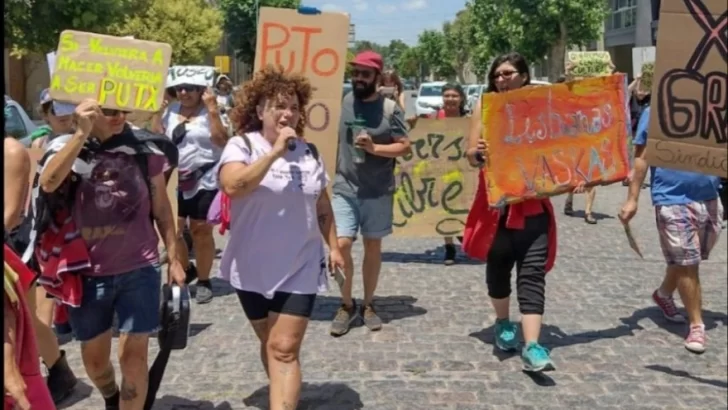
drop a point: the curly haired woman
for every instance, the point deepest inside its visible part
(278, 214)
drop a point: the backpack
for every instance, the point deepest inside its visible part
(47, 205)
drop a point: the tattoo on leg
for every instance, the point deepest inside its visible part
(288, 406)
(106, 382)
(322, 219)
(128, 391)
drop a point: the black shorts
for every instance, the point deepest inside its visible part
(196, 207)
(257, 307)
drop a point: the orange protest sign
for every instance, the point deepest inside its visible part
(543, 140)
(315, 46)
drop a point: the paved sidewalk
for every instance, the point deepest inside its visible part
(610, 344)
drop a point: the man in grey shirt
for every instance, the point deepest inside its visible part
(363, 188)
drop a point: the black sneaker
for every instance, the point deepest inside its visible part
(450, 253)
(112, 403)
(345, 316)
(190, 273)
(61, 379)
(204, 292)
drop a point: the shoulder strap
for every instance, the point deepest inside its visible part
(246, 140)
(314, 150)
(389, 107)
(142, 161)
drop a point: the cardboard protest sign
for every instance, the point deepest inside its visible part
(688, 121)
(315, 46)
(582, 64)
(543, 140)
(120, 73)
(59, 109)
(435, 183)
(203, 76)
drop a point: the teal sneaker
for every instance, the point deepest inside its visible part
(536, 358)
(506, 335)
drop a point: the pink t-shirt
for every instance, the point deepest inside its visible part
(113, 211)
(275, 244)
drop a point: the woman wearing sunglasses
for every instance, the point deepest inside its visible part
(521, 235)
(193, 122)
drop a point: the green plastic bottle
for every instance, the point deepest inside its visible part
(357, 127)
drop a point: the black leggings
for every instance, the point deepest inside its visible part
(527, 249)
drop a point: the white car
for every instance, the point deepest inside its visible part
(429, 98)
(17, 122)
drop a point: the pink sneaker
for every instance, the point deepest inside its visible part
(668, 308)
(695, 342)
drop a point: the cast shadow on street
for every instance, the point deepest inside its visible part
(435, 257)
(389, 308)
(179, 403)
(81, 392)
(682, 373)
(553, 337)
(220, 288)
(319, 396)
(597, 215)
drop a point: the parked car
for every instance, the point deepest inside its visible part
(473, 95)
(429, 98)
(346, 89)
(17, 122)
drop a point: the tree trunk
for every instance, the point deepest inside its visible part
(557, 54)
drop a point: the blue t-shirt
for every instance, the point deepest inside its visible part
(673, 187)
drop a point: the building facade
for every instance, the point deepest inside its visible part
(631, 23)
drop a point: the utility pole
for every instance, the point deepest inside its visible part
(352, 35)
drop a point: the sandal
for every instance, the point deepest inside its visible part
(589, 218)
(569, 208)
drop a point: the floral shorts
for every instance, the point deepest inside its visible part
(689, 232)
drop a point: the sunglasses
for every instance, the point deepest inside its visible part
(362, 73)
(186, 88)
(108, 112)
(504, 74)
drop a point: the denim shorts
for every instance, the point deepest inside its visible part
(372, 215)
(134, 297)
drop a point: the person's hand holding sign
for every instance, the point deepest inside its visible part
(210, 99)
(86, 114)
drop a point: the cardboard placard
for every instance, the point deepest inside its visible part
(641, 55)
(120, 73)
(688, 122)
(582, 64)
(315, 46)
(200, 75)
(435, 183)
(543, 140)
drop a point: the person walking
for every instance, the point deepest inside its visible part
(280, 216)
(107, 188)
(520, 235)
(372, 133)
(688, 214)
(194, 124)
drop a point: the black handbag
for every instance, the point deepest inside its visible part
(174, 317)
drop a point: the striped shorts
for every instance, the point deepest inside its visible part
(688, 232)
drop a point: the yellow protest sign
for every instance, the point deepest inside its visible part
(120, 73)
(435, 183)
(584, 64)
(222, 63)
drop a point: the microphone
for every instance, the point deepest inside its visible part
(291, 144)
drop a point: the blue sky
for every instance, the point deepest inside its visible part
(382, 21)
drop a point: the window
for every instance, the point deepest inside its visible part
(14, 125)
(430, 91)
(624, 14)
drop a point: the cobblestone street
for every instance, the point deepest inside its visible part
(611, 347)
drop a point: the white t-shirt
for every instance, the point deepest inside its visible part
(196, 149)
(275, 244)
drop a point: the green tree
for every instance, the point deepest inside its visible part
(392, 52)
(35, 25)
(459, 42)
(349, 58)
(191, 27)
(409, 63)
(241, 23)
(538, 28)
(433, 48)
(360, 46)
